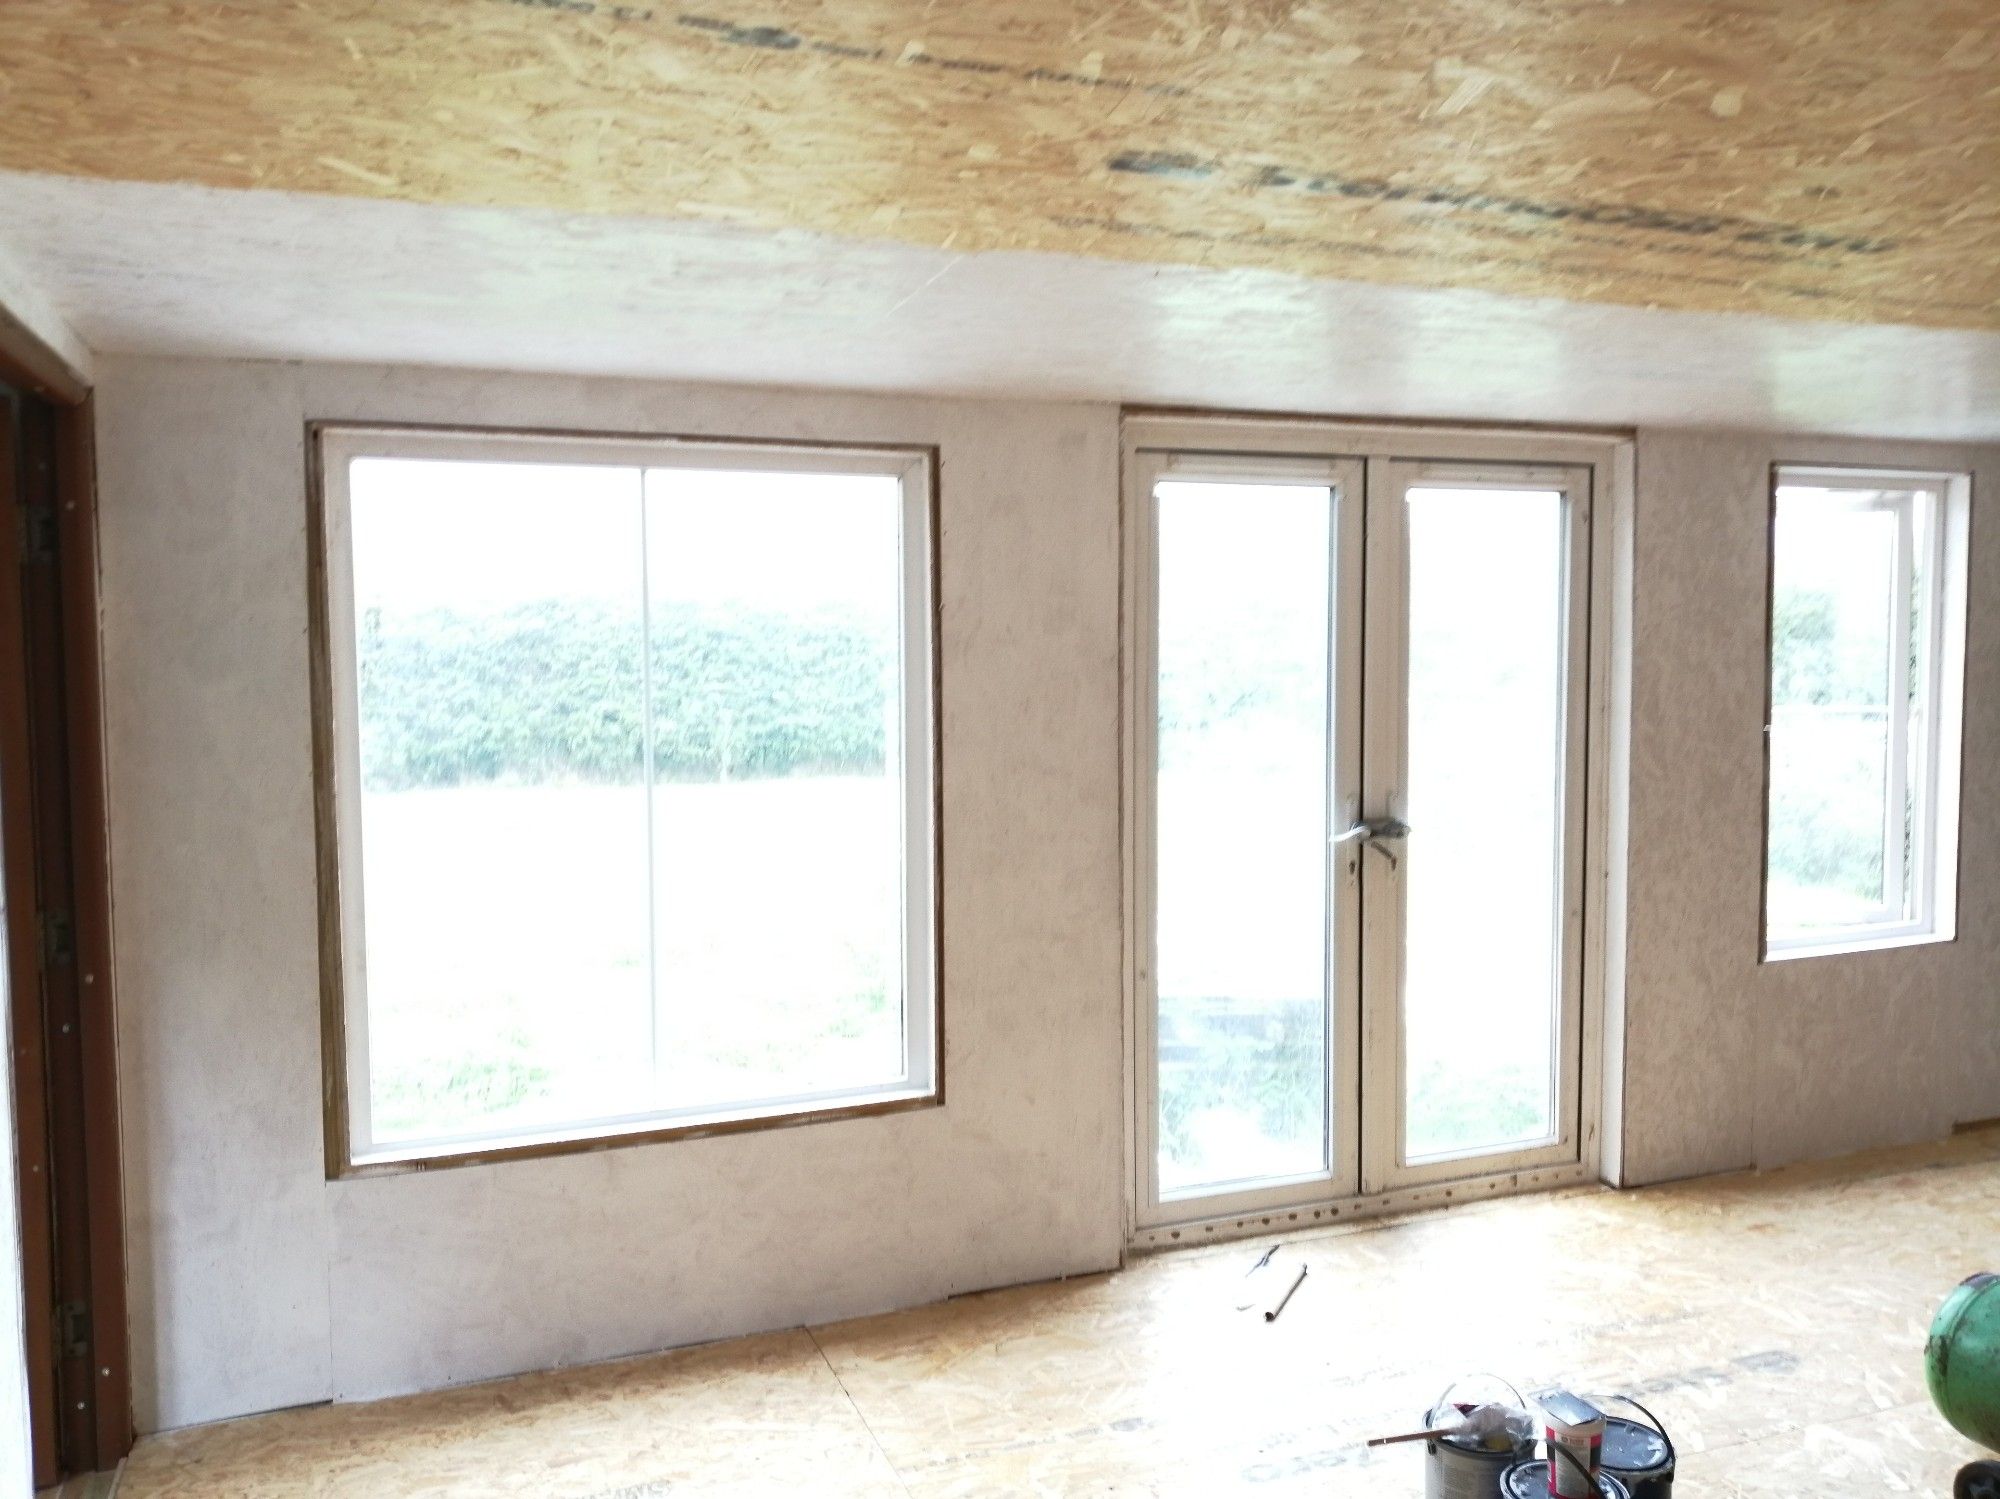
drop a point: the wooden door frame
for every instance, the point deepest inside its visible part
(35, 1219)
(54, 824)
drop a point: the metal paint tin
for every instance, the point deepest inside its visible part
(1641, 1456)
(1455, 1469)
(1530, 1480)
(1576, 1427)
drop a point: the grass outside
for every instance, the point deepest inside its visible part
(508, 948)
(1241, 973)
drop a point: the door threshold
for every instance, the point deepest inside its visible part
(85, 1486)
(1311, 1216)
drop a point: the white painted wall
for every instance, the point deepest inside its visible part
(25, 297)
(257, 1284)
(171, 268)
(1730, 1062)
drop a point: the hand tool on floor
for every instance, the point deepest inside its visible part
(1269, 1283)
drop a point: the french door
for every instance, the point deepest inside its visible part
(1360, 682)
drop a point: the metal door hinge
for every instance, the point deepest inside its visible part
(73, 1323)
(38, 534)
(58, 938)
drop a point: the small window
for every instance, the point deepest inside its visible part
(626, 760)
(1867, 641)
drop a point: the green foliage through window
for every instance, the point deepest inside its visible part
(553, 691)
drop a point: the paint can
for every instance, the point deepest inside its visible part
(1530, 1480)
(1459, 1469)
(1573, 1428)
(1639, 1453)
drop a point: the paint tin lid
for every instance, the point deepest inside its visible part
(1633, 1447)
(1571, 1411)
(1474, 1446)
(1502, 1452)
(1530, 1480)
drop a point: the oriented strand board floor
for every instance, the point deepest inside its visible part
(1776, 1323)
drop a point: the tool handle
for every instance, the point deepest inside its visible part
(1271, 1312)
(1413, 1436)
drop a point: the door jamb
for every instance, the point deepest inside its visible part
(96, 1373)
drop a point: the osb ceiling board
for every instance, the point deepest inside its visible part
(1835, 159)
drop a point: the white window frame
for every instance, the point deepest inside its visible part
(1922, 769)
(351, 1149)
(1160, 446)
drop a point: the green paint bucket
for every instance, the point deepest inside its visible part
(1962, 1359)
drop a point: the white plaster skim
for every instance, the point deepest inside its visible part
(152, 269)
(29, 304)
(257, 1283)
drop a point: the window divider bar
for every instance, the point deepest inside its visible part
(1899, 845)
(656, 1036)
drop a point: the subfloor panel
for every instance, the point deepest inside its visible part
(1775, 1322)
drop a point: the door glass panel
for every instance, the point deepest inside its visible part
(1242, 911)
(1482, 999)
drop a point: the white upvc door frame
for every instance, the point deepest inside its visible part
(1598, 468)
(1385, 1167)
(1145, 470)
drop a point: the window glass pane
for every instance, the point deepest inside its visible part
(1244, 621)
(1840, 690)
(497, 614)
(633, 793)
(1483, 946)
(776, 793)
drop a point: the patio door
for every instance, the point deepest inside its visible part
(1358, 859)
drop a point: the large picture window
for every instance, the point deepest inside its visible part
(1867, 620)
(627, 755)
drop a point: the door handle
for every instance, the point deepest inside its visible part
(1377, 835)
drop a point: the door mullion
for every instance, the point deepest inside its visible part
(1384, 710)
(1347, 805)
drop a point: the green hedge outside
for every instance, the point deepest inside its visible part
(553, 691)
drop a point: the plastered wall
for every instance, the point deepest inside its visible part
(25, 303)
(1730, 1062)
(256, 1283)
